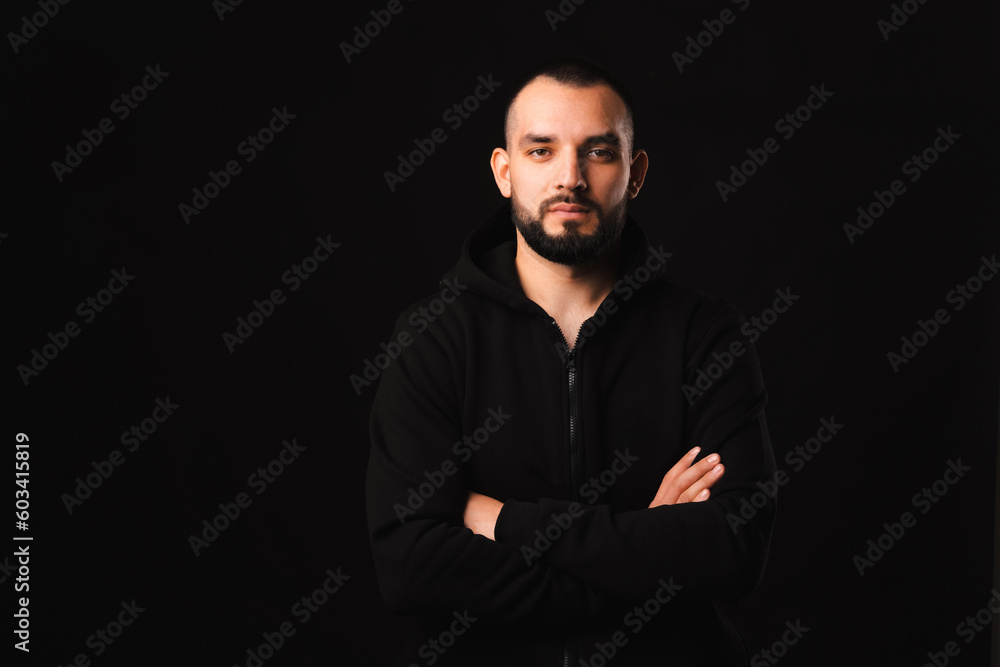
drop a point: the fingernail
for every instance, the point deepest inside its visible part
(702, 495)
(717, 469)
(695, 450)
(713, 458)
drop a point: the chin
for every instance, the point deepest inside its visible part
(556, 226)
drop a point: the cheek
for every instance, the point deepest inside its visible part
(526, 189)
(610, 188)
(619, 187)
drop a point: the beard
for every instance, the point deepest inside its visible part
(571, 247)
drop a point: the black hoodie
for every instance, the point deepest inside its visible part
(480, 392)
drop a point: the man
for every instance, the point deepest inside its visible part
(545, 471)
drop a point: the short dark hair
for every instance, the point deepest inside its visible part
(578, 73)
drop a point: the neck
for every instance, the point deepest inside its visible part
(562, 290)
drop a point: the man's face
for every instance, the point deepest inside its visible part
(568, 169)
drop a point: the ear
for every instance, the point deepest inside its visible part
(500, 163)
(637, 172)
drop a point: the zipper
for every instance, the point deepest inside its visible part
(574, 454)
(574, 416)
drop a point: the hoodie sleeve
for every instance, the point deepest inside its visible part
(426, 560)
(715, 548)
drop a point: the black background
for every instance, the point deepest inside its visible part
(323, 176)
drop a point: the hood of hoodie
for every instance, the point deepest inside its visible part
(486, 264)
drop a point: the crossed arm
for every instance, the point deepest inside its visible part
(686, 482)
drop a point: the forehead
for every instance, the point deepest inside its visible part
(547, 106)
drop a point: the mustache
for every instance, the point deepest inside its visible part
(577, 200)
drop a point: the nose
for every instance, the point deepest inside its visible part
(570, 173)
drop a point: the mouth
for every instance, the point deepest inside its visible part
(570, 211)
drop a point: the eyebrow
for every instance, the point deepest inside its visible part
(606, 138)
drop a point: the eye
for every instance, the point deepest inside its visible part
(538, 151)
(602, 153)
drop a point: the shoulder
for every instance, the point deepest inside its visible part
(694, 309)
